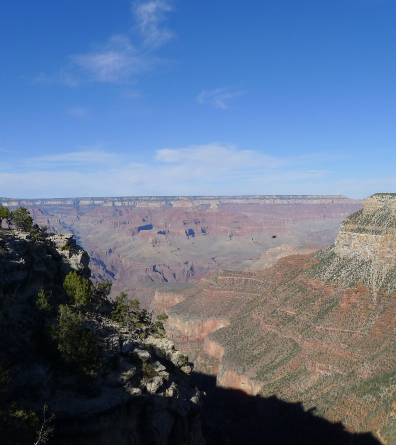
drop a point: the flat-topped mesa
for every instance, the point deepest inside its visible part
(180, 201)
(370, 234)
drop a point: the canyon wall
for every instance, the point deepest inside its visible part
(315, 328)
(141, 244)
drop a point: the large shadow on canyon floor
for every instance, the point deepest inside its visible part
(231, 417)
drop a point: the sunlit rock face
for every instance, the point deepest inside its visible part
(317, 328)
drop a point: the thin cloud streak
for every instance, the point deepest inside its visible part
(77, 159)
(220, 155)
(121, 59)
(212, 169)
(220, 97)
(117, 62)
(149, 16)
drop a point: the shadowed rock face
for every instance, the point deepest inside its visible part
(141, 244)
(125, 403)
(316, 328)
(232, 417)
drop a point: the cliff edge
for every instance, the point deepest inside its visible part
(134, 390)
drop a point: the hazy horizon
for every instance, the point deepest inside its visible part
(168, 196)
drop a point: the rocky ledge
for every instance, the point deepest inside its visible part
(139, 392)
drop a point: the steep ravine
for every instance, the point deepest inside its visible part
(193, 337)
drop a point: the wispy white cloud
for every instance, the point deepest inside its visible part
(221, 156)
(220, 97)
(124, 56)
(117, 61)
(87, 158)
(149, 19)
(212, 169)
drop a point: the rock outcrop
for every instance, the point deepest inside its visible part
(139, 394)
(316, 328)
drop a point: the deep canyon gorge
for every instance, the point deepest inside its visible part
(316, 328)
(284, 304)
(146, 243)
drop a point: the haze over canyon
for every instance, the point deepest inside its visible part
(146, 243)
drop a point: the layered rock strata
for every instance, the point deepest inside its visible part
(144, 243)
(316, 328)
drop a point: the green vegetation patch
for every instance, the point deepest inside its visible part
(148, 371)
(76, 343)
(78, 288)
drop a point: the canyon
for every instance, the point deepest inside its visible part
(298, 331)
(316, 328)
(142, 244)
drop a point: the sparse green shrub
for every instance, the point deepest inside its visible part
(105, 287)
(75, 341)
(148, 371)
(65, 247)
(182, 359)
(42, 302)
(37, 232)
(162, 317)
(4, 382)
(4, 214)
(17, 426)
(78, 289)
(127, 312)
(21, 219)
(159, 327)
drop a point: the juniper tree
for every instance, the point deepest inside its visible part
(4, 214)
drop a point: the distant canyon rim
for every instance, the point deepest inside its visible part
(142, 244)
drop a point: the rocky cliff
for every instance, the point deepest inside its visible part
(139, 392)
(316, 328)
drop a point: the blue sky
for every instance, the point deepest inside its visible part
(181, 97)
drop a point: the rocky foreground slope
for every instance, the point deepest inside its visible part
(135, 390)
(316, 328)
(144, 243)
